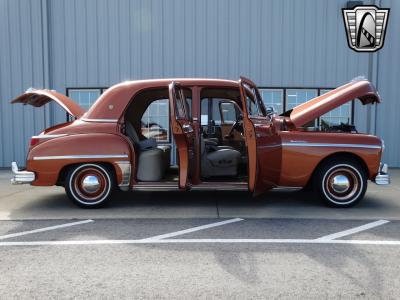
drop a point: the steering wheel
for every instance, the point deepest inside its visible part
(237, 125)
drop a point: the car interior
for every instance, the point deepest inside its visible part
(223, 150)
(223, 154)
(154, 157)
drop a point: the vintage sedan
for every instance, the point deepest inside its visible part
(225, 140)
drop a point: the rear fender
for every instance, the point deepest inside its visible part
(48, 158)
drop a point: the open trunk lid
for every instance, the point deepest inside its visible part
(39, 98)
(314, 108)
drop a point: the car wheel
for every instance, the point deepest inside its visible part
(341, 182)
(89, 185)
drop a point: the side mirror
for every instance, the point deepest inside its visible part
(271, 111)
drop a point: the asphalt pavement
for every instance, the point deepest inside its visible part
(206, 245)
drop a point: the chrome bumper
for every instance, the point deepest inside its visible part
(383, 176)
(21, 177)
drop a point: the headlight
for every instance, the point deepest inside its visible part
(383, 145)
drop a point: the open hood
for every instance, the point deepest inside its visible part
(310, 110)
(39, 98)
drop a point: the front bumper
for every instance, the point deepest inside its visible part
(383, 176)
(21, 177)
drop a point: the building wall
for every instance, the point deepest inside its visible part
(96, 43)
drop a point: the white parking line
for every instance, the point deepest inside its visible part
(208, 241)
(11, 235)
(352, 230)
(180, 232)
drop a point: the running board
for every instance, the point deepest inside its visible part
(219, 186)
(156, 186)
(205, 186)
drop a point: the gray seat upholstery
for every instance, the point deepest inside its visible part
(153, 160)
(142, 144)
(218, 162)
(213, 144)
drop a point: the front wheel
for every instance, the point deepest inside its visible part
(341, 182)
(89, 185)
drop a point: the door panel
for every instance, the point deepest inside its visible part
(257, 130)
(182, 129)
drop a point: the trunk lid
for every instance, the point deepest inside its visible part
(314, 108)
(38, 98)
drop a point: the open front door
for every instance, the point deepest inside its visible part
(256, 126)
(183, 132)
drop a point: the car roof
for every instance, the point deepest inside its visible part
(112, 103)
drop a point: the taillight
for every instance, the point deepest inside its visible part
(34, 141)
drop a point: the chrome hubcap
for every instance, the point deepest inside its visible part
(91, 184)
(340, 183)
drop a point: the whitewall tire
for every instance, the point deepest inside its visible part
(341, 182)
(89, 185)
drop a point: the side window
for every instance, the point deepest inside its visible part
(228, 112)
(155, 121)
(183, 103)
(216, 113)
(218, 110)
(180, 104)
(204, 112)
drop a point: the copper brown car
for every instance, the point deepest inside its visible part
(226, 139)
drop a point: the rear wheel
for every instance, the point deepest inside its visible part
(341, 182)
(89, 185)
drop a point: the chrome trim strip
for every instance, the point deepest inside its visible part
(80, 156)
(296, 144)
(100, 120)
(48, 136)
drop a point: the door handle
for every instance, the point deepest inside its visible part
(187, 128)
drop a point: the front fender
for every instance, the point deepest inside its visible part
(48, 158)
(302, 152)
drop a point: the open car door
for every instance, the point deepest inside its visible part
(256, 126)
(183, 132)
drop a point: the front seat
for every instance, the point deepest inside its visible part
(152, 161)
(218, 162)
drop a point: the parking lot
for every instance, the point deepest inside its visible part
(284, 244)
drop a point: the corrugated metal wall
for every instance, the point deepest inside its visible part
(72, 43)
(21, 66)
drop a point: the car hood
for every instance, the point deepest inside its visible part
(314, 108)
(39, 98)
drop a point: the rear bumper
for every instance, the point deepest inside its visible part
(383, 176)
(21, 177)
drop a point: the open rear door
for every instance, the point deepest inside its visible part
(183, 132)
(255, 124)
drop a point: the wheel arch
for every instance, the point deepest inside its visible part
(64, 170)
(342, 155)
